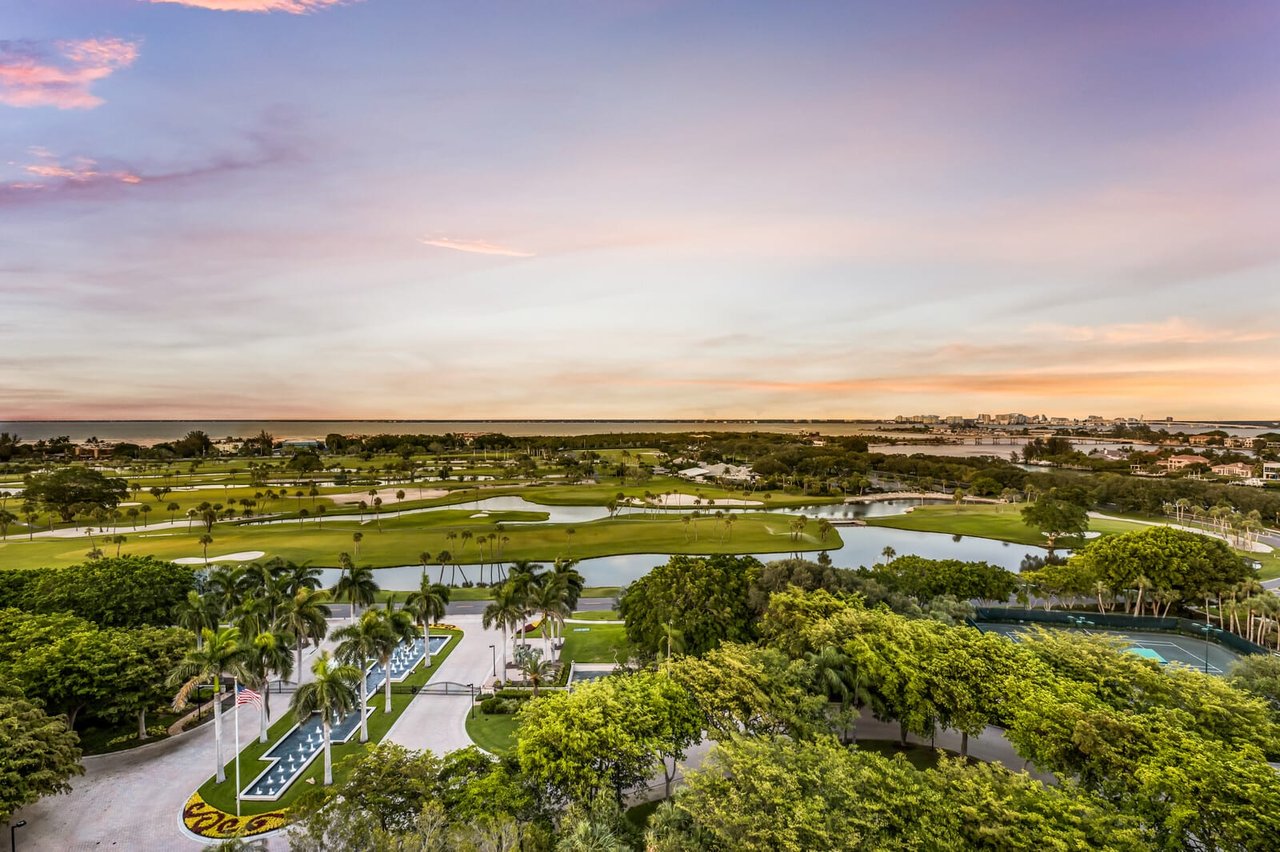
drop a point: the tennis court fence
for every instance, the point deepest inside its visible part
(1118, 621)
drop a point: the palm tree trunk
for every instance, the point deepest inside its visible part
(299, 668)
(426, 630)
(386, 679)
(142, 724)
(364, 700)
(219, 774)
(328, 755)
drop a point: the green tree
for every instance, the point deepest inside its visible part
(304, 617)
(220, 654)
(65, 490)
(705, 598)
(428, 604)
(332, 693)
(357, 586)
(358, 645)
(38, 753)
(1055, 517)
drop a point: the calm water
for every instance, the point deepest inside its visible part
(151, 431)
(863, 546)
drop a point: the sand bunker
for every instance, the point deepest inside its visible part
(388, 495)
(242, 556)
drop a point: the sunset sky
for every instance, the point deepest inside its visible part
(638, 208)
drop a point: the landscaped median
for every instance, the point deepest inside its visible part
(210, 812)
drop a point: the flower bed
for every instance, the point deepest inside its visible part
(204, 820)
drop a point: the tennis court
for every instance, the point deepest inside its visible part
(1163, 648)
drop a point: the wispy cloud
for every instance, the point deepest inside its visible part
(61, 73)
(49, 177)
(474, 247)
(293, 7)
(1171, 330)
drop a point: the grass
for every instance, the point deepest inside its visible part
(494, 733)
(223, 795)
(596, 615)
(1000, 522)
(603, 643)
(400, 541)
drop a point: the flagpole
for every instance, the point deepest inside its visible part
(236, 723)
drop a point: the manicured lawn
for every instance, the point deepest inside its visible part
(223, 795)
(401, 540)
(596, 615)
(1000, 522)
(494, 733)
(603, 643)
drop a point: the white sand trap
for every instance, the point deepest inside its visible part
(128, 504)
(479, 515)
(388, 495)
(242, 556)
(687, 500)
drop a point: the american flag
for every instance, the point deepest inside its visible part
(245, 695)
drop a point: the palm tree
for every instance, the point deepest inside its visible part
(356, 538)
(428, 604)
(566, 571)
(534, 668)
(303, 617)
(223, 587)
(198, 613)
(171, 508)
(399, 628)
(252, 617)
(332, 693)
(505, 613)
(220, 654)
(548, 598)
(358, 644)
(835, 678)
(118, 540)
(357, 586)
(205, 541)
(269, 654)
(442, 557)
(293, 578)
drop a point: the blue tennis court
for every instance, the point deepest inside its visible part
(1162, 648)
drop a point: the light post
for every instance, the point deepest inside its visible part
(472, 687)
(493, 652)
(1208, 630)
(13, 830)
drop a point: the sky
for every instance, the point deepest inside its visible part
(638, 209)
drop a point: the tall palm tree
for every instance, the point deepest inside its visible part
(567, 572)
(356, 538)
(198, 613)
(220, 654)
(428, 604)
(548, 599)
(399, 628)
(205, 541)
(357, 586)
(505, 613)
(252, 617)
(303, 617)
(292, 577)
(332, 693)
(358, 644)
(268, 655)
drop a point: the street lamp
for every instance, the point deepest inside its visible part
(13, 829)
(1208, 630)
(494, 654)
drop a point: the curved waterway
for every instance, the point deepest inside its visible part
(863, 546)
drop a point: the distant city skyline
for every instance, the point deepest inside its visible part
(378, 209)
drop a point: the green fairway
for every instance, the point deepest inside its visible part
(495, 733)
(596, 615)
(223, 795)
(1000, 522)
(400, 541)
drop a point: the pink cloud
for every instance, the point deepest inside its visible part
(1172, 330)
(60, 74)
(475, 247)
(52, 174)
(293, 7)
